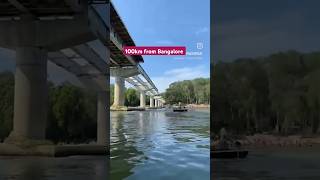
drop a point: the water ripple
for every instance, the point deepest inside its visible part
(160, 145)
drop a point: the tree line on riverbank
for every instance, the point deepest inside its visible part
(279, 93)
(196, 91)
(71, 111)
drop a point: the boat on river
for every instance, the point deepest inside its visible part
(180, 109)
(222, 148)
(229, 154)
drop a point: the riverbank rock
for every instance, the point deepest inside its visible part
(262, 140)
(119, 108)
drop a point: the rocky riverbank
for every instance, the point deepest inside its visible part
(198, 106)
(262, 140)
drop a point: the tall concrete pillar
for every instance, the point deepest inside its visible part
(142, 99)
(151, 101)
(103, 119)
(119, 90)
(30, 94)
(155, 103)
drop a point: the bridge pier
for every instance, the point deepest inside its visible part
(155, 103)
(119, 93)
(30, 95)
(151, 102)
(103, 124)
(33, 37)
(142, 99)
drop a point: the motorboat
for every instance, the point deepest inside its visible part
(180, 109)
(229, 154)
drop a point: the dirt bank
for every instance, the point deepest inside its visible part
(262, 140)
(198, 106)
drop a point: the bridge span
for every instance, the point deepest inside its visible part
(78, 36)
(128, 68)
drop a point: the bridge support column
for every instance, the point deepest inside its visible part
(103, 124)
(30, 95)
(155, 103)
(142, 99)
(151, 102)
(119, 93)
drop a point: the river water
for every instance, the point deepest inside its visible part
(271, 164)
(45, 168)
(153, 145)
(160, 144)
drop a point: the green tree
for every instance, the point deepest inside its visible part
(131, 97)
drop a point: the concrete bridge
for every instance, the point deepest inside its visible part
(78, 36)
(127, 68)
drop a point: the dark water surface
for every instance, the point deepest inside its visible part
(44, 168)
(271, 164)
(160, 144)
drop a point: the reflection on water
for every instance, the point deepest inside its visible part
(43, 168)
(159, 144)
(276, 164)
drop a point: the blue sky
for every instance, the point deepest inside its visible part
(169, 23)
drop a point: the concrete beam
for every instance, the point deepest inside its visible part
(53, 35)
(92, 81)
(77, 6)
(91, 56)
(145, 75)
(129, 80)
(124, 72)
(19, 6)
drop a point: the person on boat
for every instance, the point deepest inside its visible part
(223, 134)
(220, 142)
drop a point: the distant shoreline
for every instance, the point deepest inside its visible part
(198, 106)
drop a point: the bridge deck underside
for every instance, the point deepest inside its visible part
(118, 58)
(38, 8)
(120, 29)
(142, 85)
(82, 61)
